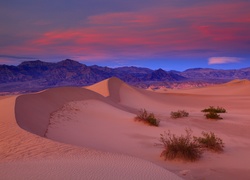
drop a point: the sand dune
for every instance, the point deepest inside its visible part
(164, 103)
(94, 128)
(34, 115)
(131, 97)
(27, 156)
(235, 87)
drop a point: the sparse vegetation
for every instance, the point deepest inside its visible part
(213, 115)
(188, 147)
(148, 118)
(210, 141)
(212, 112)
(183, 147)
(179, 114)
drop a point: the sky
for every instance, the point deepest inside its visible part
(167, 34)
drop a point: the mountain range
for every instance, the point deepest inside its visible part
(37, 75)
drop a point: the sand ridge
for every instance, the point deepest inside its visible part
(34, 115)
(24, 155)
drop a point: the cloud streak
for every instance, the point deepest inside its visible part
(16, 57)
(223, 60)
(152, 29)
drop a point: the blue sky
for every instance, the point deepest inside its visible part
(147, 33)
(179, 65)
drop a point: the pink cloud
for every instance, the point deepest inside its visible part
(223, 60)
(148, 32)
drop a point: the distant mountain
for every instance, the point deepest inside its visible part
(38, 75)
(74, 73)
(161, 75)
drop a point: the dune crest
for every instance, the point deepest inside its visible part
(33, 111)
(128, 96)
(100, 88)
(110, 88)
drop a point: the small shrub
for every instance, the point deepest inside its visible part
(148, 118)
(210, 141)
(213, 115)
(214, 110)
(179, 114)
(183, 147)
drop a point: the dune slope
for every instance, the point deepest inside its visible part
(24, 155)
(33, 111)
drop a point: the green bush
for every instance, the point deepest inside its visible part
(210, 141)
(213, 115)
(148, 118)
(179, 114)
(183, 147)
(214, 110)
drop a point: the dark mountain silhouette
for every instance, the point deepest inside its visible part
(38, 75)
(161, 75)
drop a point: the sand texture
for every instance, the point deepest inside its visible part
(90, 132)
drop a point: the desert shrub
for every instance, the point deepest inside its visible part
(213, 115)
(214, 110)
(179, 114)
(183, 147)
(210, 141)
(148, 118)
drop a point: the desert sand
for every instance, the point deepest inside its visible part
(90, 132)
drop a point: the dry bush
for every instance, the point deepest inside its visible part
(179, 114)
(214, 110)
(188, 147)
(210, 141)
(148, 118)
(213, 115)
(183, 147)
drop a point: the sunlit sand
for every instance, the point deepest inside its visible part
(90, 132)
